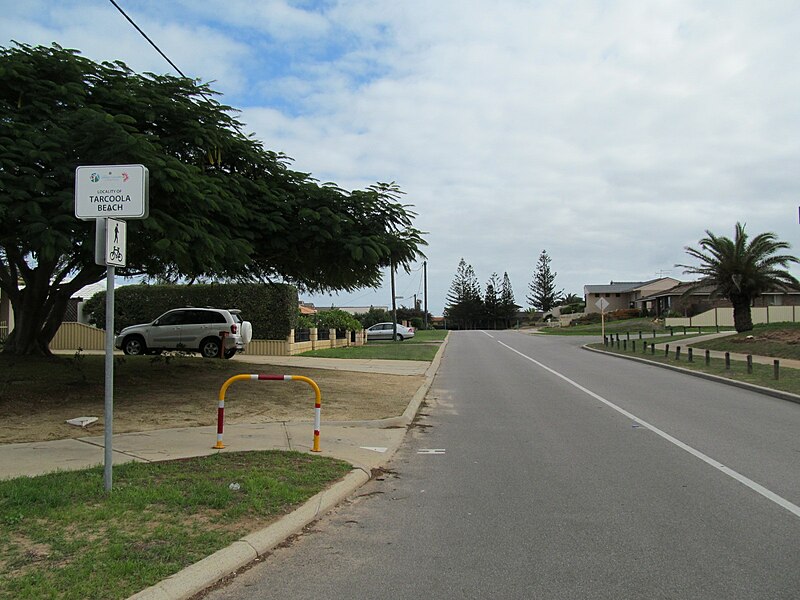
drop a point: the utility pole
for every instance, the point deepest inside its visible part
(394, 306)
(425, 278)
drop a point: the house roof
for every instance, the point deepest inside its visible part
(90, 290)
(307, 310)
(702, 290)
(619, 287)
(680, 290)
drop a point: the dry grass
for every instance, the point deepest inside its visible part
(38, 395)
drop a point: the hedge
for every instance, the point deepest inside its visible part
(271, 308)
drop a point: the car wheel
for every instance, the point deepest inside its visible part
(134, 345)
(230, 353)
(398, 337)
(209, 348)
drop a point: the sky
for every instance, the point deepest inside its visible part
(611, 134)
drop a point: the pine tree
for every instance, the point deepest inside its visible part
(491, 301)
(543, 294)
(508, 305)
(464, 303)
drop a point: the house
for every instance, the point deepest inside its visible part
(677, 301)
(354, 310)
(625, 294)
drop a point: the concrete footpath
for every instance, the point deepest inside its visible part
(367, 445)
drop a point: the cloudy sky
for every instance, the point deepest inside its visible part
(611, 134)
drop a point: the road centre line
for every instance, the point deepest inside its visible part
(769, 495)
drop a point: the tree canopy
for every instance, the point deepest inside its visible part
(741, 270)
(221, 205)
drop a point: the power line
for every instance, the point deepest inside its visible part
(144, 35)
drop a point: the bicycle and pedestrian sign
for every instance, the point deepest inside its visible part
(116, 234)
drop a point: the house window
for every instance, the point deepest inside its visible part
(607, 295)
(617, 295)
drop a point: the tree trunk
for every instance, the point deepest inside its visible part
(742, 319)
(30, 315)
(39, 310)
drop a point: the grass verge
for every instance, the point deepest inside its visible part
(632, 326)
(65, 538)
(762, 375)
(423, 346)
(778, 340)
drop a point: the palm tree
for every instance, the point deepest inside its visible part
(742, 271)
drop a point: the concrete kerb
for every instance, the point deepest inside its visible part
(732, 382)
(200, 576)
(208, 571)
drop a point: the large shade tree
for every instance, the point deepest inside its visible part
(741, 270)
(221, 205)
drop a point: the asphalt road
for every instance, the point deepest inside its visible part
(561, 473)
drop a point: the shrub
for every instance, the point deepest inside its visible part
(622, 314)
(587, 319)
(373, 316)
(337, 319)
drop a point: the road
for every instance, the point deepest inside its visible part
(540, 470)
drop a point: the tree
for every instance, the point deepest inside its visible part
(508, 305)
(373, 316)
(491, 301)
(741, 271)
(464, 304)
(222, 207)
(543, 294)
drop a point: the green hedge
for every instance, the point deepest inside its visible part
(271, 308)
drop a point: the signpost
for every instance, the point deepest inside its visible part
(602, 304)
(109, 194)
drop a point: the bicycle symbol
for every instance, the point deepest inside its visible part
(115, 254)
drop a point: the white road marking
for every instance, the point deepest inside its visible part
(431, 451)
(491, 336)
(756, 487)
(374, 448)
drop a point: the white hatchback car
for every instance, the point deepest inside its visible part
(383, 331)
(203, 330)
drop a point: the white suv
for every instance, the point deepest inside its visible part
(212, 332)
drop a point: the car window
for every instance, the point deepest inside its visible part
(176, 317)
(200, 317)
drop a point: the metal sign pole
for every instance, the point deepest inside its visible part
(120, 191)
(109, 384)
